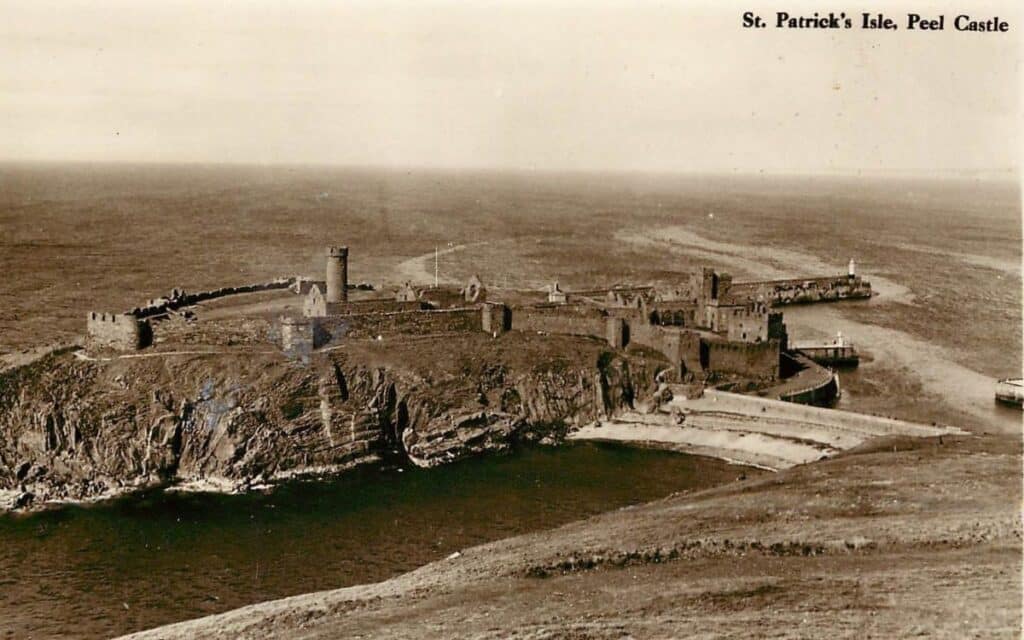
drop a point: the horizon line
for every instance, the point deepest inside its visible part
(994, 172)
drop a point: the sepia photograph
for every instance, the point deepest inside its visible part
(496, 319)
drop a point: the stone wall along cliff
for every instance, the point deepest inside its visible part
(565, 319)
(681, 347)
(178, 298)
(758, 361)
(316, 306)
(397, 323)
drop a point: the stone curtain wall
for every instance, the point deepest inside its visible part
(384, 306)
(316, 306)
(680, 346)
(370, 325)
(178, 299)
(302, 286)
(559, 318)
(373, 306)
(752, 360)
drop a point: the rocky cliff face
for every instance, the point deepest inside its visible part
(76, 429)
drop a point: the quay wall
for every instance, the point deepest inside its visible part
(1010, 392)
(808, 382)
(831, 355)
(876, 425)
(822, 394)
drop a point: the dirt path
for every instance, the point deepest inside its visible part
(159, 354)
(420, 270)
(24, 357)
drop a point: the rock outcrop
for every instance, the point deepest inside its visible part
(77, 429)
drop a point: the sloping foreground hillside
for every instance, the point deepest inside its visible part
(907, 538)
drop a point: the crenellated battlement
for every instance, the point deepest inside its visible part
(120, 331)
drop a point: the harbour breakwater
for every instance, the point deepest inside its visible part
(804, 290)
(807, 382)
(1010, 391)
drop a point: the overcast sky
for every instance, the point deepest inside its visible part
(620, 86)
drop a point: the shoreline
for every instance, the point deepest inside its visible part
(220, 486)
(758, 432)
(765, 434)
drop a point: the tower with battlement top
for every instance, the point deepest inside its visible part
(337, 274)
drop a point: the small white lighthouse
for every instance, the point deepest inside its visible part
(851, 270)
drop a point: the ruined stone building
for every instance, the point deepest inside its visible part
(704, 324)
(698, 325)
(556, 295)
(474, 291)
(406, 293)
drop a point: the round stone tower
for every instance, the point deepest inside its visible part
(337, 274)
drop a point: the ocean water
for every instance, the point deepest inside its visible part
(945, 256)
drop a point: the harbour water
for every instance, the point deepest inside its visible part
(151, 559)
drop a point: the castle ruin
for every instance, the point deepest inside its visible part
(698, 326)
(705, 325)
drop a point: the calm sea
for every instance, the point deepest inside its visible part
(138, 562)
